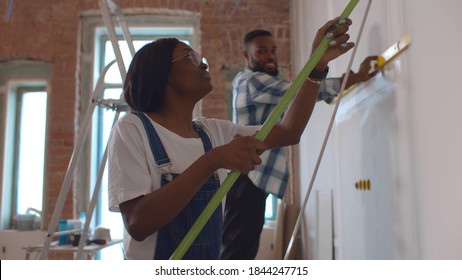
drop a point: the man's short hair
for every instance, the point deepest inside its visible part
(255, 33)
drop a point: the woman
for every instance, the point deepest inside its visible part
(164, 166)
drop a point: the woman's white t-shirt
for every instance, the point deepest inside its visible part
(133, 172)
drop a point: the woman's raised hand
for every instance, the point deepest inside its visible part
(339, 44)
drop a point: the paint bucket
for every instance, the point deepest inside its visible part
(25, 222)
(28, 221)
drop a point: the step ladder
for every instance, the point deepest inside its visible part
(107, 8)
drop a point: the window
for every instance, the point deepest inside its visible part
(103, 118)
(29, 149)
(24, 162)
(272, 203)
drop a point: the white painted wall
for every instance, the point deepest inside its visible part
(435, 92)
(414, 209)
(303, 30)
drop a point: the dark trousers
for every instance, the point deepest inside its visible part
(243, 220)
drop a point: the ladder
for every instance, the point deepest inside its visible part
(118, 105)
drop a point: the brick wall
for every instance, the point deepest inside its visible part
(47, 30)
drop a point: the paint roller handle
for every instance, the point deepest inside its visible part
(261, 135)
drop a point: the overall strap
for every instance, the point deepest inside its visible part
(204, 137)
(158, 150)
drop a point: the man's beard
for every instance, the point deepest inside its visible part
(257, 67)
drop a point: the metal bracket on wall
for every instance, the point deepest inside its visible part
(363, 185)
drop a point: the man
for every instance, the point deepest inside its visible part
(256, 91)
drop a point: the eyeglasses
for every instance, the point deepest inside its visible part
(196, 59)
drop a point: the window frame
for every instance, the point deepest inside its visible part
(19, 93)
(17, 78)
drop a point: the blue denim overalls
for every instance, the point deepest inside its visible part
(208, 243)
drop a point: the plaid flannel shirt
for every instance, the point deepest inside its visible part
(255, 94)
